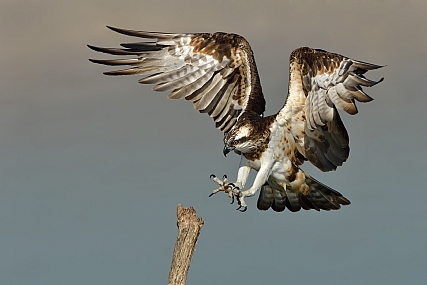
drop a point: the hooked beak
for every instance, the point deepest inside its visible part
(227, 149)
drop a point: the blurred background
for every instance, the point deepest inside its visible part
(92, 167)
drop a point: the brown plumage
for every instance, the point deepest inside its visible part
(218, 74)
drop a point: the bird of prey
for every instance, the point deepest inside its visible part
(218, 74)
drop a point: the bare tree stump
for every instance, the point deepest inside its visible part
(189, 227)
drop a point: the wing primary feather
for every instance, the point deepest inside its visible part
(346, 105)
(143, 34)
(143, 46)
(366, 65)
(312, 202)
(115, 51)
(355, 80)
(349, 93)
(134, 70)
(305, 203)
(319, 199)
(117, 62)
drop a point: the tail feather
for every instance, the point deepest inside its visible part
(266, 198)
(279, 203)
(270, 197)
(319, 197)
(293, 203)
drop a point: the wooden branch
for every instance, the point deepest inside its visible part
(189, 227)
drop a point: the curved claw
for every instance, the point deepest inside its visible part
(212, 176)
(234, 186)
(210, 195)
(243, 208)
(224, 177)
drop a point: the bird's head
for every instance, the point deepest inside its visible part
(239, 139)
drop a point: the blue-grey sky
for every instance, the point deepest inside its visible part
(92, 167)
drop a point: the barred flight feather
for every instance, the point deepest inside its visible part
(217, 73)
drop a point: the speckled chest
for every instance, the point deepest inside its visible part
(279, 154)
(283, 152)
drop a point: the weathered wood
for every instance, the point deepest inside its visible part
(189, 227)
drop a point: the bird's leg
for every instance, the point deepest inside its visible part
(260, 179)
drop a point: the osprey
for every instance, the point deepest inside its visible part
(217, 73)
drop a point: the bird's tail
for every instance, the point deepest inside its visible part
(318, 197)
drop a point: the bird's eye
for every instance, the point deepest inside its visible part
(235, 142)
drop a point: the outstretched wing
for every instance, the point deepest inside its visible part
(321, 82)
(216, 72)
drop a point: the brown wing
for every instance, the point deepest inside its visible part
(216, 72)
(320, 83)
